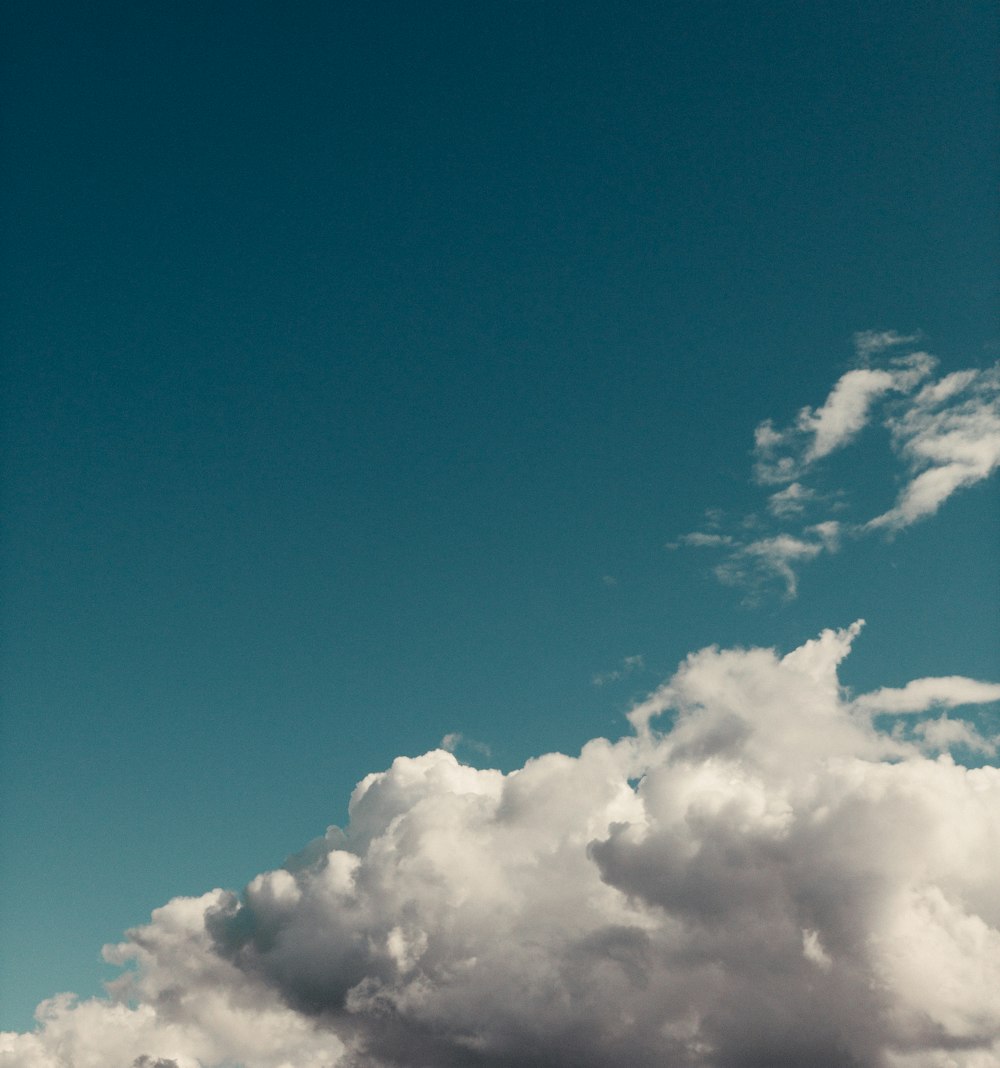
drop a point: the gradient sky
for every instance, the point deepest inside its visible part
(362, 361)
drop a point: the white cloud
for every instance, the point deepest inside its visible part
(942, 734)
(946, 432)
(702, 540)
(785, 455)
(869, 342)
(812, 949)
(757, 876)
(845, 411)
(948, 691)
(775, 556)
(949, 438)
(455, 740)
(790, 501)
(778, 557)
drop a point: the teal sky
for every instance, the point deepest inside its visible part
(361, 361)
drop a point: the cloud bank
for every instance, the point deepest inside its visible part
(944, 436)
(760, 874)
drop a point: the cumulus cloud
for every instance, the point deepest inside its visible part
(942, 734)
(757, 875)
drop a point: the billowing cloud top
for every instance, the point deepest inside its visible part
(757, 876)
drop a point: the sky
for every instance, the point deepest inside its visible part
(396, 394)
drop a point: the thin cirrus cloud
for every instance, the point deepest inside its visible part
(943, 432)
(791, 501)
(628, 665)
(761, 873)
(779, 556)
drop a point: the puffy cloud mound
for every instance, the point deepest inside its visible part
(761, 877)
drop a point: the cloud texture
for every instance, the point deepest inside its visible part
(756, 876)
(944, 434)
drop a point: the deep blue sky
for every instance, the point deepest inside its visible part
(361, 359)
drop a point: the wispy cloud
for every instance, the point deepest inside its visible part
(791, 501)
(455, 741)
(949, 438)
(921, 694)
(771, 557)
(943, 734)
(758, 875)
(945, 432)
(700, 539)
(869, 342)
(628, 665)
(784, 455)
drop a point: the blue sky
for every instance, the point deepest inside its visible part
(363, 364)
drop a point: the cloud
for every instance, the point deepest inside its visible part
(785, 455)
(949, 439)
(758, 875)
(628, 665)
(869, 342)
(790, 501)
(769, 556)
(455, 740)
(942, 734)
(777, 557)
(945, 432)
(701, 540)
(921, 694)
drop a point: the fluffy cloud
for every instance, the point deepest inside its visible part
(757, 875)
(942, 734)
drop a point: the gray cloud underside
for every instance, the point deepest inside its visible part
(757, 876)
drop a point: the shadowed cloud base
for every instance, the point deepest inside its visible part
(761, 878)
